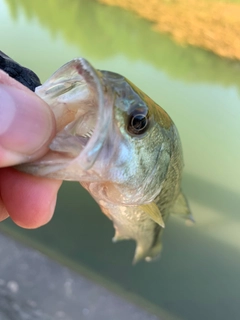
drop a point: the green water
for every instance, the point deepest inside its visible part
(198, 275)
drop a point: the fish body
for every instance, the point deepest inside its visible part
(120, 145)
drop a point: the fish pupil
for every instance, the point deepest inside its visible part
(138, 123)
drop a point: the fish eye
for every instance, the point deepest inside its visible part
(138, 123)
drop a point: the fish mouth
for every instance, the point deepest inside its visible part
(81, 103)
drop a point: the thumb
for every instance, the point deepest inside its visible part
(27, 124)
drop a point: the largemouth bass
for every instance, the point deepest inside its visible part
(120, 145)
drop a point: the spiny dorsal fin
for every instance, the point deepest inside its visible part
(181, 208)
(152, 210)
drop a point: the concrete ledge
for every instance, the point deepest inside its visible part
(33, 287)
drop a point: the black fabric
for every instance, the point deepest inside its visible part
(26, 76)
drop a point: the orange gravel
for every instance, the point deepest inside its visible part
(209, 24)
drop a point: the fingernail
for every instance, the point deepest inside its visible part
(26, 125)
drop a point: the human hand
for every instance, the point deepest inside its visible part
(27, 126)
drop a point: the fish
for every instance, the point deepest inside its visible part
(121, 146)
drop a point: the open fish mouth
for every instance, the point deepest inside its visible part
(75, 93)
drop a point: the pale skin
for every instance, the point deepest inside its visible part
(26, 128)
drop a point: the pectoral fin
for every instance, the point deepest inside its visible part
(152, 210)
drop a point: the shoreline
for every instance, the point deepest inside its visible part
(210, 25)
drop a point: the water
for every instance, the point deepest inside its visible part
(198, 276)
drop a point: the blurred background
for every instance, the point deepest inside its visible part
(185, 56)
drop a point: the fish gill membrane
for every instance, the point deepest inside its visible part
(121, 146)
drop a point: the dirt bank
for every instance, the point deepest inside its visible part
(208, 24)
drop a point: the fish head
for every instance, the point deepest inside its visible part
(135, 157)
(108, 133)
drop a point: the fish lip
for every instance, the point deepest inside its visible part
(89, 154)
